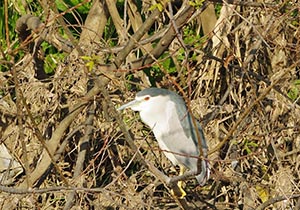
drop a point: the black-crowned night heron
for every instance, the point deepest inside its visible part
(166, 114)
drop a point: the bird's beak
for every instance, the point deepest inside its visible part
(128, 105)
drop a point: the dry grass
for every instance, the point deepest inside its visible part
(228, 83)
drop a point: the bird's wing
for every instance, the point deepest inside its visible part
(184, 139)
(176, 139)
(188, 125)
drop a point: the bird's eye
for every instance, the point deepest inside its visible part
(146, 98)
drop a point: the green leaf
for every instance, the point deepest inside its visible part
(262, 193)
(293, 92)
(196, 3)
(63, 5)
(249, 146)
(90, 65)
(158, 6)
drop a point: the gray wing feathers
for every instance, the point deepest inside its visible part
(187, 124)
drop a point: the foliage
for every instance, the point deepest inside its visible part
(63, 5)
(293, 93)
(58, 117)
(6, 36)
(196, 3)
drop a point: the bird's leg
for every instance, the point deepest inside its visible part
(181, 172)
(179, 184)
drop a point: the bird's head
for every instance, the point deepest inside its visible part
(149, 100)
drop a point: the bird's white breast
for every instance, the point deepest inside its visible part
(169, 133)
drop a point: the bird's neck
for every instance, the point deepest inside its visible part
(153, 120)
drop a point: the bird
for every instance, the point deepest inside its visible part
(166, 114)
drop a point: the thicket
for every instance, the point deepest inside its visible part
(66, 65)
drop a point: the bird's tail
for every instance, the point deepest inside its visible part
(203, 177)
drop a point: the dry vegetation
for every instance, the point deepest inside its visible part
(70, 147)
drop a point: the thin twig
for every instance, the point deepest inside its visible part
(21, 126)
(276, 200)
(83, 148)
(247, 111)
